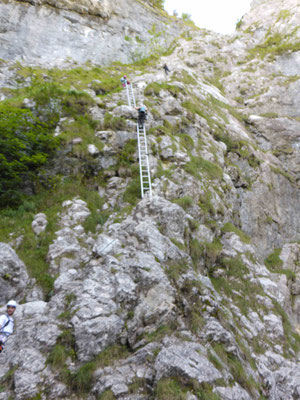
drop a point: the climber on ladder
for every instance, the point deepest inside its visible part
(142, 115)
(7, 323)
(124, 81)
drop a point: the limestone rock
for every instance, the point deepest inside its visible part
(187, 360)
(13, 275)
(39, 223)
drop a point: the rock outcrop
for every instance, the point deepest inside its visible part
(193, 293)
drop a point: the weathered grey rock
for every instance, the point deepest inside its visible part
(232, 393)
(39, 223)
(92, 149)
(99, 332)
(125, 111)
(188, 360)
(71, 33)
(13, 275)
(105, 245)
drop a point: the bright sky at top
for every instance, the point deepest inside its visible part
(217, 15)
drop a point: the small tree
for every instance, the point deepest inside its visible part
(25, 145)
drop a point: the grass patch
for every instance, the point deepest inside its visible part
(291, 338)
(199, 165)
(196, 251)
(107, 395)
(236, 369)
(273, 262)
(185, 202)
(283, 173)
(174, 271)
(111, 354)
(114, 123)
(229, 227)
(170, 389)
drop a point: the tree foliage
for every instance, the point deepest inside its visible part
(26, 142)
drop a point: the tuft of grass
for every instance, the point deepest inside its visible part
(229, 227)
(273, 262)
(196, 251)
(58, 356)
(291, 338)
(174, 271)
(111, 354)
(107, 395)
(81, 380)
(199, 165)
(170, 389)
(185, 202)
(114, 123)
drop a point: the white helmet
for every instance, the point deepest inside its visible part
(11, 303)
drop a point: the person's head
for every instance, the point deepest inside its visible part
(125, 77)
(11, 307)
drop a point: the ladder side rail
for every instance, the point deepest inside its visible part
(132, 96)
(127, 93)
(140, 161)
(147, 161)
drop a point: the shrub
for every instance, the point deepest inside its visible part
(26, 143)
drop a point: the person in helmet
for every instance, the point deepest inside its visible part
(142, 115)
(7, 323)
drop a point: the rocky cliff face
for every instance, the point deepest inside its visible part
(54, 32)
(195, 293)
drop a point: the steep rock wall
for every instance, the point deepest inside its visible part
(53, 33)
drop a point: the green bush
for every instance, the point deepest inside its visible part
(26, 143)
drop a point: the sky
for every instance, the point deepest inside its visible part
(217, 15)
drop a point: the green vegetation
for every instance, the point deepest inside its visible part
(170, 388)
(233, 284)
(111, 354)
(283, 14)
(269, 115)
(291, 339)
(229, 227)
(273, 261)
(283, 173)
(107, 395)
(205, 203)
(174, 271)
(26, 144)
(198, 165)
(184, 202)
(196, 251)
(239, 147)
(33, 249)
(114, 123)
(274, 264)
(154, 88)
(274, 45)
(236, 369)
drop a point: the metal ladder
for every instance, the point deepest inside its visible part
(144, 161)
(130, 95)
